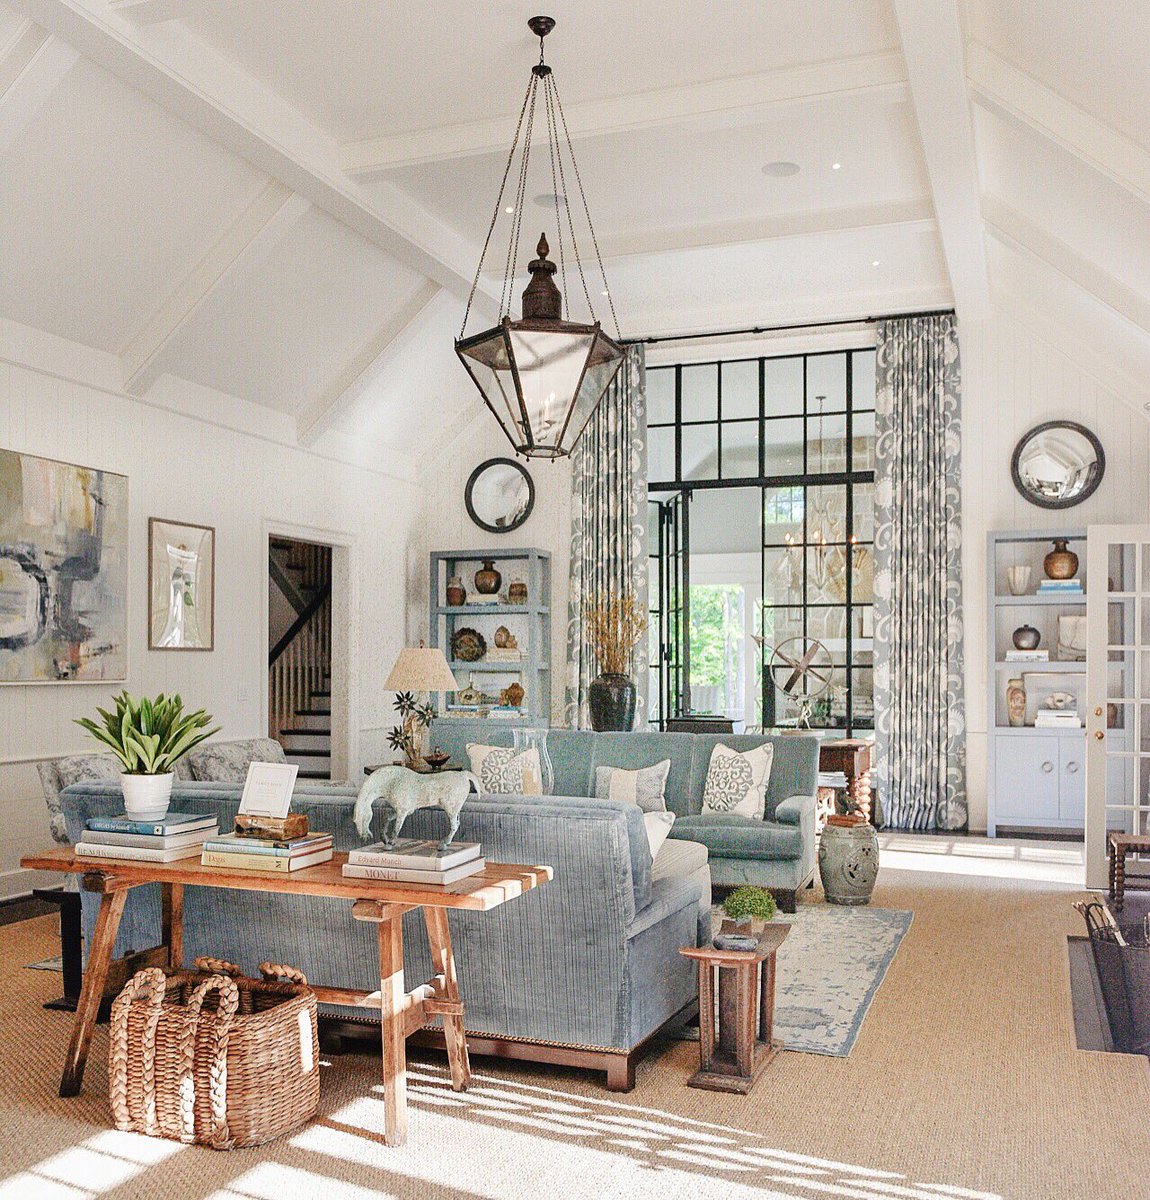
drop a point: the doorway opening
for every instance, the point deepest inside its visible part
(301, 666)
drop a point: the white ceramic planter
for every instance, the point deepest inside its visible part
(146, 797)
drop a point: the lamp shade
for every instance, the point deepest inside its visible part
(421, 669)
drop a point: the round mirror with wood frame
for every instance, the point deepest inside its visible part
(500, 495)
(1058, 464)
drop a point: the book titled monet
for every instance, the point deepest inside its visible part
(413, 854)
(403, 875)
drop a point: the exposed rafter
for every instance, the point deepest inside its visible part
(717, 101)
(770, 228)
(932, 46)
(1019, 232)
(1010, 93)
(202, 87)
(32, 66)
(246, 243)
(389, 341)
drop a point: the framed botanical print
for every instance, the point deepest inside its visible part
(181, 585)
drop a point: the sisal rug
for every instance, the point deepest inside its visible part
(830, 967)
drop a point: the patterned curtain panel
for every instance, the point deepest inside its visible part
(608, 526)
(920, 716)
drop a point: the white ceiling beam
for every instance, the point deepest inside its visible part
(388, 342)
(144, 12)
(777, 227)
(1007, 92)
(202, 87)
(721, 100)
(932, 46)
(249, 240)
(1012, 229)
(32, 66)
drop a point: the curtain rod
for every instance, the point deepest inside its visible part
(754, 329)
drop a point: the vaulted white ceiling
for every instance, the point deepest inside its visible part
(283, 202)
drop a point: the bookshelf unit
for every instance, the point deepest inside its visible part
(530, 624)
(1036, 776)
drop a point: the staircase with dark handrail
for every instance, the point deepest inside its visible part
(299, 663)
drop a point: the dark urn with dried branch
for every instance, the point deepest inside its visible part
(614, 625)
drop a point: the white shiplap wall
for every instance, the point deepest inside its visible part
(183, 468)
(1014, 377)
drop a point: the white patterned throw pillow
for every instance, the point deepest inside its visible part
(645, 787)
(504, 771)
(737, 781)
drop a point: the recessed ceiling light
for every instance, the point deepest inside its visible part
(875, 263)
(781, 169)
(836, 166)
(550, 199)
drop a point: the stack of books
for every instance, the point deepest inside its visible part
(414, 861)
(239, 852)
(1060, 587)
(176, 836)
(1057, 718)
(1028, 656)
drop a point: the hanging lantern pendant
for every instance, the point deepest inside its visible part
(541, 376)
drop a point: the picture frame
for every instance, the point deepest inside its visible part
(181, 585)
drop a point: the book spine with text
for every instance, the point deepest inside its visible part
(152, 828)
(244, 862)
(408, 862)
(400, 875)
(224, 847)
(142, 853)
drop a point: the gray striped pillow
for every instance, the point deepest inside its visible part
(644, 787)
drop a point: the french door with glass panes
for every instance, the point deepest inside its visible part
(668, 599)
(1117, 689)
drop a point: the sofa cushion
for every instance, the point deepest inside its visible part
(658, 826)
(678, 858)
(645, 787)
(794, 770)
(643, 748)
(730, 836)
(227, 762)
(504, 771)
(737, 781)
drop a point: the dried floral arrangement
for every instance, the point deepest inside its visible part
(614, 626)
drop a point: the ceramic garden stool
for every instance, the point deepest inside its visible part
(733, 1056)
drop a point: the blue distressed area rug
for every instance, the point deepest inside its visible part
(830, 968)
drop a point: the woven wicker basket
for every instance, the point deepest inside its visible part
(208, 1056)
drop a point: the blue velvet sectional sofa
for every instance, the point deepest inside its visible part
(778, 852)
(583, 971)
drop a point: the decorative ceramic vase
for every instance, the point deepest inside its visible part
(146, 797)
(1016, 703)
(488, 579)
(613, 699)
(1018, 578)
(517, 592)
(456, 592)
(1026, 637)
(848, 861)
(1060, 563)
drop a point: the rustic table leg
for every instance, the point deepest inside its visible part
(743, 985)
(172, 914)
(728, 1036)
(443, 960)
(100, 955)
(393, 1029)
(1119, 877)
(767, 1001)
(1111, 854)
(706, 1015)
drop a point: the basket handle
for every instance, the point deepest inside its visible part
(217, 966)
(1091, 911)
(152, 980)
(219, 1137)
(282, 973)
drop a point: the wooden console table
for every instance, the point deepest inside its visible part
(401, 1011)
(854, 757)
(734, 1056)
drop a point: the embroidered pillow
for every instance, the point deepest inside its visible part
(644, 787)
(504, 771)
(658, 825)
(737, 781)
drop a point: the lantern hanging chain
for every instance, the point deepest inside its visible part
(553, 96)
(586, 209)
(498, 205)
(520, 198)
(553, 144)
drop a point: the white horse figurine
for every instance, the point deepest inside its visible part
(404, 791)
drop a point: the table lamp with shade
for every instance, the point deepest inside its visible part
(418, 671)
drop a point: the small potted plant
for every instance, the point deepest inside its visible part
(748, 909)
(148, 737)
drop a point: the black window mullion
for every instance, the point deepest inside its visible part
(850, 554)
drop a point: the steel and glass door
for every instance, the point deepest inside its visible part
(1117, 689)
(669, 608)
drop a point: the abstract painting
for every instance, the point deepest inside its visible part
(181, 585)
(63, 572)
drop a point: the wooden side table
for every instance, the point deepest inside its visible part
(1119, 845)
(854, 757)
(733, 1056)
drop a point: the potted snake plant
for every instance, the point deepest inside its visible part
(148, 737)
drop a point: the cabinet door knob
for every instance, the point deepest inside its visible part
(1048, 766)
(1072, 767)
